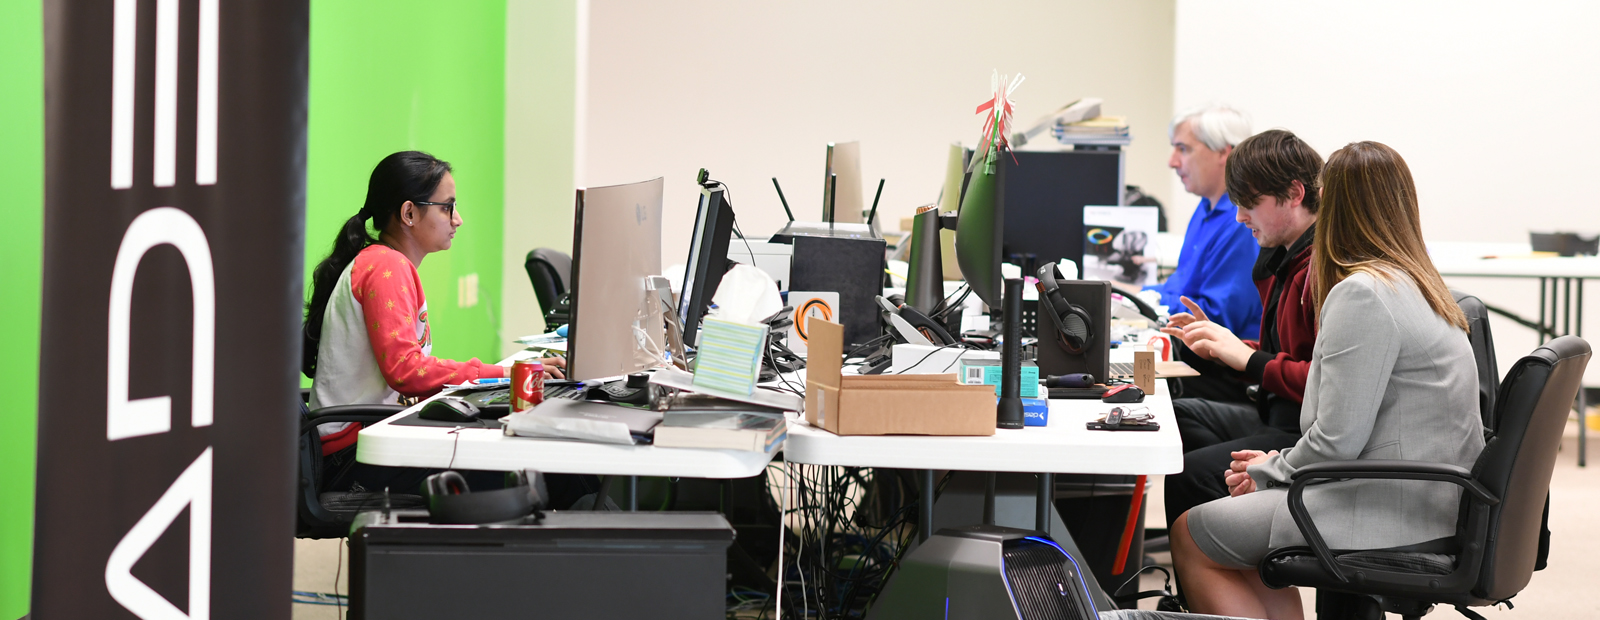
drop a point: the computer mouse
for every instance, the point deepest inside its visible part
(450, 410)
(1126, 393)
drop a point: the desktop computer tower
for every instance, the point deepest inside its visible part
(569, 565)
(987, 572)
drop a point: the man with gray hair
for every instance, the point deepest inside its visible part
(1218, 252)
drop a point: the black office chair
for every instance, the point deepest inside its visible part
(551, 274)
(1495, 550)
(324, 514)
(1483, 352)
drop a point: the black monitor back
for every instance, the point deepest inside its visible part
(1045, 192)
(708, 253)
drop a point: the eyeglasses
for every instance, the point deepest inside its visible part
(449, 207)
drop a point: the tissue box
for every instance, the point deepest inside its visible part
(888, 404)
(987, 372)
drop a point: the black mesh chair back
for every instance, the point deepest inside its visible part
(1483, 352)
(551, 273)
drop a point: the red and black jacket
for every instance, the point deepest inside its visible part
(1288, 321)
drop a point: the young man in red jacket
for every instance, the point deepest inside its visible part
(1272, 176)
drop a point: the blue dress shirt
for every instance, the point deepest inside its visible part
(1214, 270)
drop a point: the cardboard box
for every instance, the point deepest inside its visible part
(888, 404)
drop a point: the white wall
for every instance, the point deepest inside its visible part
(541, 68)
(753, 90)
(1493, 105)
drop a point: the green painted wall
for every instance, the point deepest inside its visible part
(21, 239)
(396, 75)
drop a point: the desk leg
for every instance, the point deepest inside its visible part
(1539, 330)
(633, 493)
(988, 498)
(1047, 495)
(925, 511)
(1583, 402)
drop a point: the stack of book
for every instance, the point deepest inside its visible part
(701, 421)
(722, 430)
(1105, 130)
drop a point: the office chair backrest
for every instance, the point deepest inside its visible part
(1516, 464)
(1483, 352)
(551, 274)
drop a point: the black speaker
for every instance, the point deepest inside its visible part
(851, 267)
(1094, 298)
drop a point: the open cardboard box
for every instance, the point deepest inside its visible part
(888, 404)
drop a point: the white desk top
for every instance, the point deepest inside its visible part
(1463, 259)
(1064, 446)
(475, 448)
(1467, 259)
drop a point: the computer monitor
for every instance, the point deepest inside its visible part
(713, 227)
(1037, 212)
(616, 244)
(1045, 192)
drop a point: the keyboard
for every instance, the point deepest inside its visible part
(569, 391)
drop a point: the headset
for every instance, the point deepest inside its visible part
(451, 502)
(1074, 328)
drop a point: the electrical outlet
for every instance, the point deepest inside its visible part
(467, 291)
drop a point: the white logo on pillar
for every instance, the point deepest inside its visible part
(124, 48)
(149, 416)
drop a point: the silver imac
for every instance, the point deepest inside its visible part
(616, 245)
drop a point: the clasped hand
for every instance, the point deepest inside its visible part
(1238, 475)
(1208, 340)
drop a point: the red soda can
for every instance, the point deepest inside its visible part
(527, 384)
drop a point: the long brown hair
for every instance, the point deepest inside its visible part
(1369, 222)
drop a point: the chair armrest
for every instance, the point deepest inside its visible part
(365, 414)
(1380, 469)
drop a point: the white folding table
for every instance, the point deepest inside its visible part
(386, 443)
(1560, 310)
(1064, 446)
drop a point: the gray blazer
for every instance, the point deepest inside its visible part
(1389, 379)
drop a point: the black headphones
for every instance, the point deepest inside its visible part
(450, 501)
(1074, 328)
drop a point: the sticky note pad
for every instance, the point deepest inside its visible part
(729, 357)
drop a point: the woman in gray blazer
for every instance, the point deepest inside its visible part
(1392, 377)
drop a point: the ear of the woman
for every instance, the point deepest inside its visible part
(408, 213)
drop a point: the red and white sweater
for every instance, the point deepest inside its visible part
(376, 344)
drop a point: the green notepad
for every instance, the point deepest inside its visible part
(729, 357)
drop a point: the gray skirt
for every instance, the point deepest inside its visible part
(1236, 531)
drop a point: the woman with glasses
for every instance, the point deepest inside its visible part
(366, 324)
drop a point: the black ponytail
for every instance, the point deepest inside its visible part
(407, 175)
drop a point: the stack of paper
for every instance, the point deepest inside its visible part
(1097, 130)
